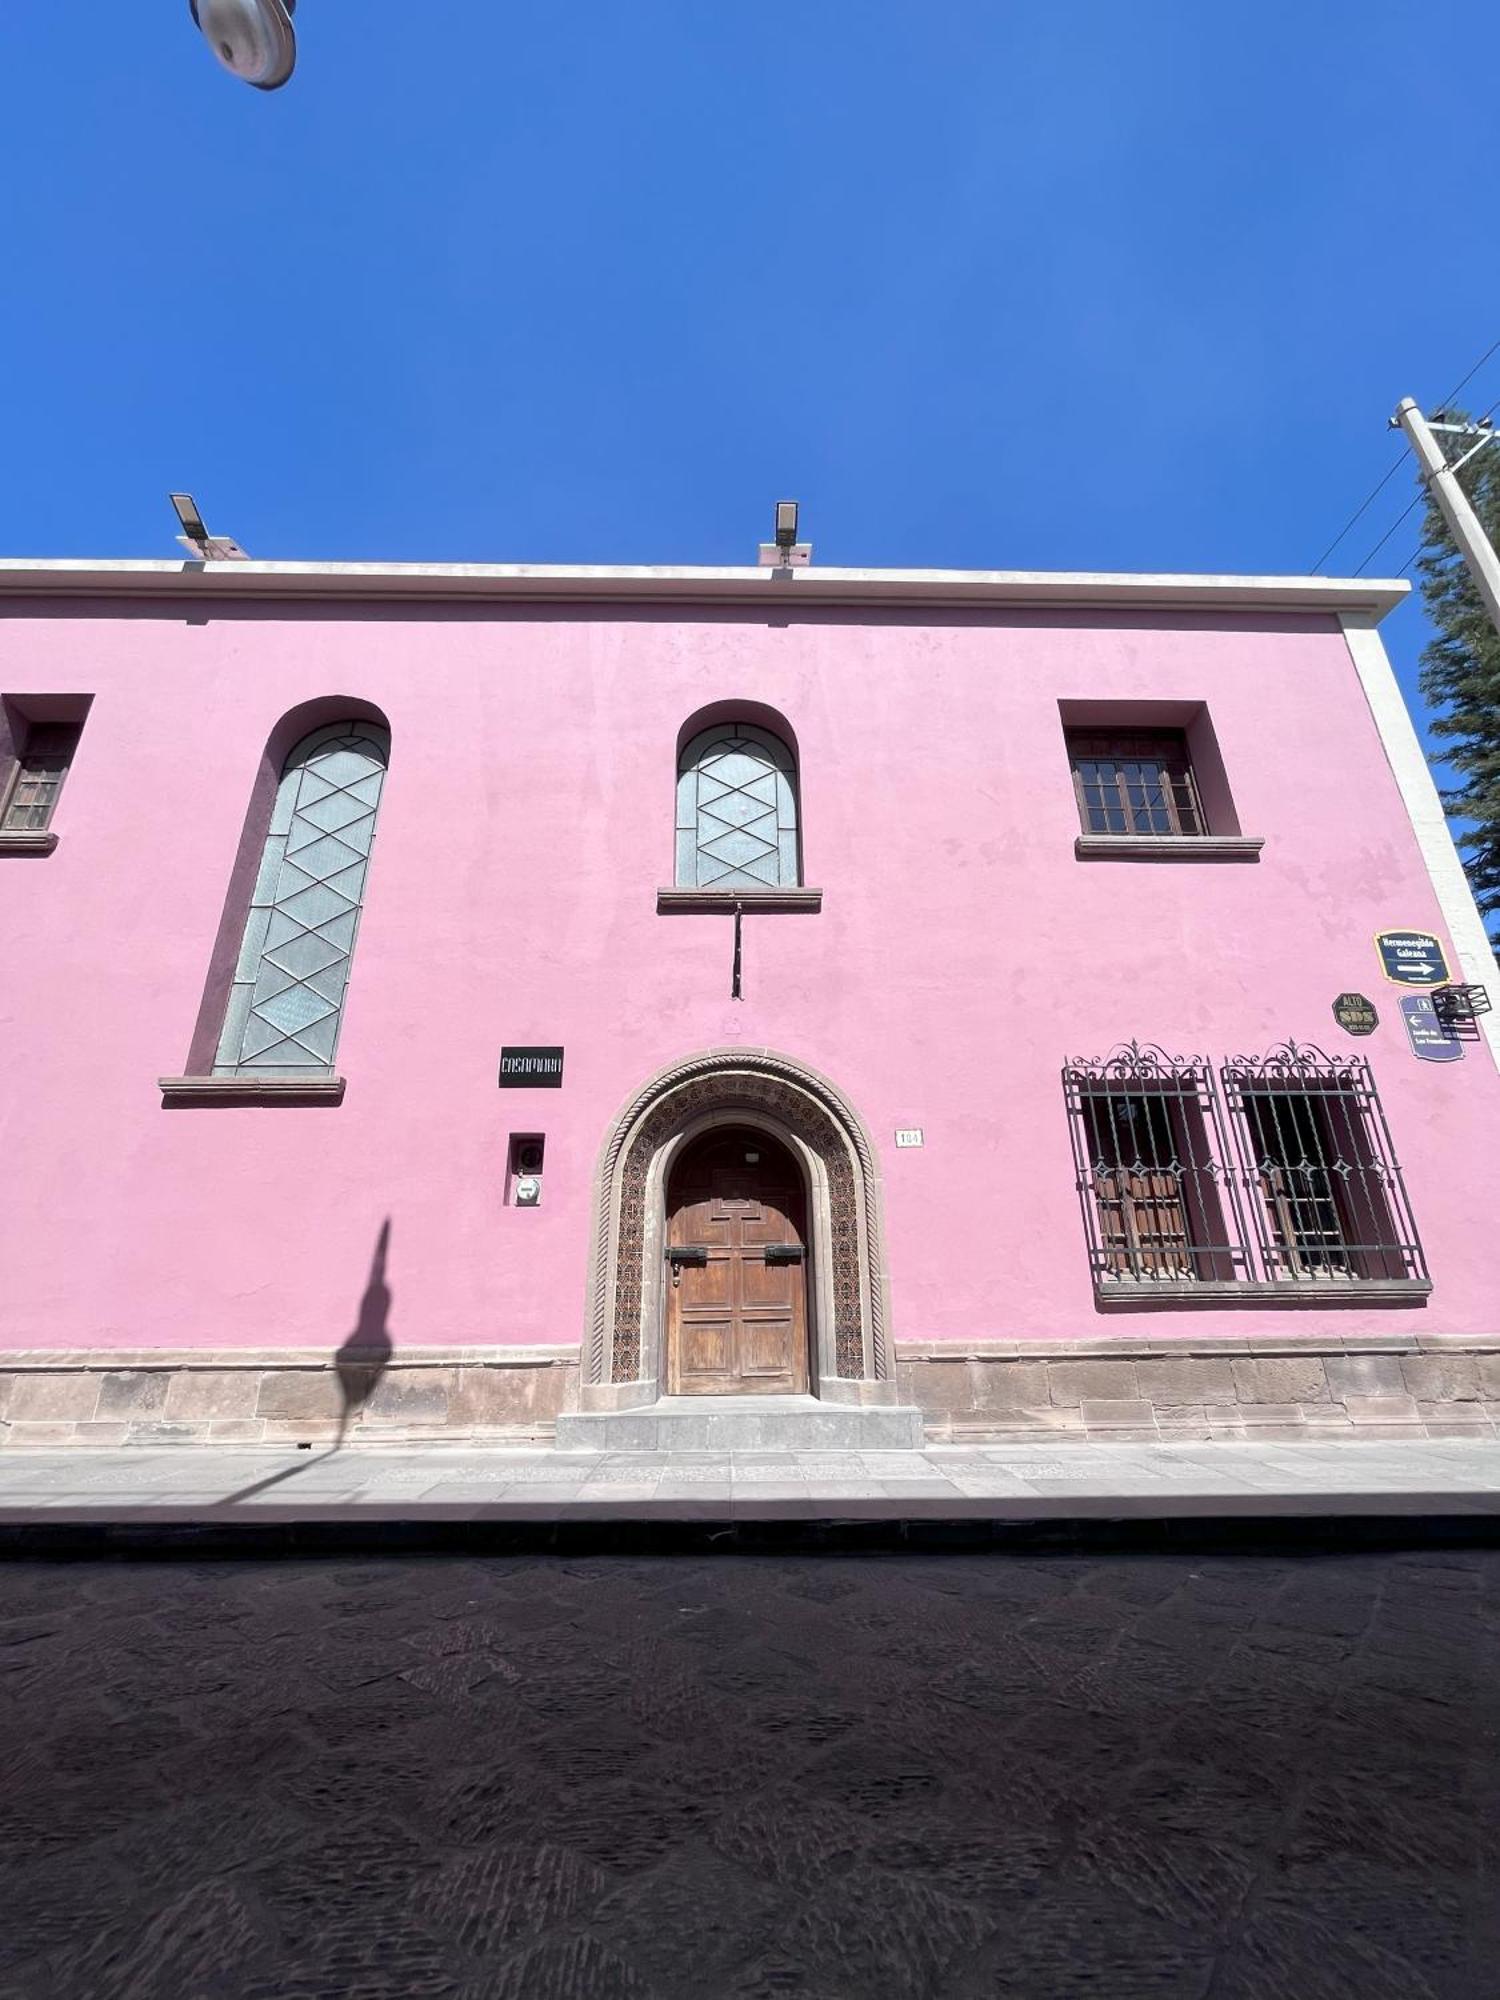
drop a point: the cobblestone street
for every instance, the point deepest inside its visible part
(775, 1777)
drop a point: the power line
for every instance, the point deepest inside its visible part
(1409, 508)
(1381, 485)
(1395, 468)
(1495, 349)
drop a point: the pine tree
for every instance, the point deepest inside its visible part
(1461, 676)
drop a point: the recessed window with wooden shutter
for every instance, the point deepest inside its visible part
(29, 797)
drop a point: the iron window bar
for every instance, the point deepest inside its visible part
(1149, 1153)
(1318, 1170)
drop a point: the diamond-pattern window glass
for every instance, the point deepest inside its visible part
(737, 811)
(293, 968)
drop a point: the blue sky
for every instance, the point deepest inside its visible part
(1095, 286)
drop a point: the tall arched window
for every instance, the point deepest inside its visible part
(737, 811)
(288, 994)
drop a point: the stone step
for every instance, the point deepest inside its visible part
(743, 1423)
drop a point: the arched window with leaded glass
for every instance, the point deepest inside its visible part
(737, 810)
(287, 1000)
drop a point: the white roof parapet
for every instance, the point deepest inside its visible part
(503, 582)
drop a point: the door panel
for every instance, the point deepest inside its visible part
(708, 1288)
(763, 1350)
(707, 1348)
(736, 1324)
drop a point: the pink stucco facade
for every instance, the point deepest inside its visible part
(962, 954)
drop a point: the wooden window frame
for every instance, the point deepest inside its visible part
(27, 753)
(1178, 799)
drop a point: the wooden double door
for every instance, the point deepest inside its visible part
(737, 1269)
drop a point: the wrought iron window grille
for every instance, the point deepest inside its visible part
(1149, 1148)
(1319, 1170)
(1307, 1194)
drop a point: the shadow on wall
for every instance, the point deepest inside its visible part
(359, 1363)
(366, 1354)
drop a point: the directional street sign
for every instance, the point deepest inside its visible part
(1411, 958)
(1431, 1038)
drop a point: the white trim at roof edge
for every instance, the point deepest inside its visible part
(1374, 596)
(1419, 794)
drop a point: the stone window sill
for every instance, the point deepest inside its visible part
(15, 841)
(702, 902)
(1131, 1294)
(1167, 847)
(185, 1090)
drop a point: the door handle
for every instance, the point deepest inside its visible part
(784, 1253)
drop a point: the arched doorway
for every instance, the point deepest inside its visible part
(737, 1250)
(624, 1348)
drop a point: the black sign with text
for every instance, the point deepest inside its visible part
(1355, 1014)
(531, 1069)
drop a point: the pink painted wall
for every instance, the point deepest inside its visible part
(961, 955)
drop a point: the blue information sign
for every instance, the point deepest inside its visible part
(1411, 958)
(1431, 1038)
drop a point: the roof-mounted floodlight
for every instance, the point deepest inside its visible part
(786, 552)
(253, 39)
(196, 539)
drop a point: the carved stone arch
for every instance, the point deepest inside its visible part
(622, 1337)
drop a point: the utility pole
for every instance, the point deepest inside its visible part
(1441, 479)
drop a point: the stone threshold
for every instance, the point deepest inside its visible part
(690, 1424)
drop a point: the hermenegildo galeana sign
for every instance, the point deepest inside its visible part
(531, 1069)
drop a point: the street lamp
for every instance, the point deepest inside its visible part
(253, 39)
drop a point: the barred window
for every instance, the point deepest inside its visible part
(1326, 1189)
(1278, 1172)
(30, 797)
(1135, 781)
(286, 1003)
(737, 811)
(1148, 1147)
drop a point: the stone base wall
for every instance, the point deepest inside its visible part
(505, 1395)
(999, 1392)
(1397, 1386)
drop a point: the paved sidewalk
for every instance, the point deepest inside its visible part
(374, 1484)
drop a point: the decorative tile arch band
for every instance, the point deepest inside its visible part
(809, 1108)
